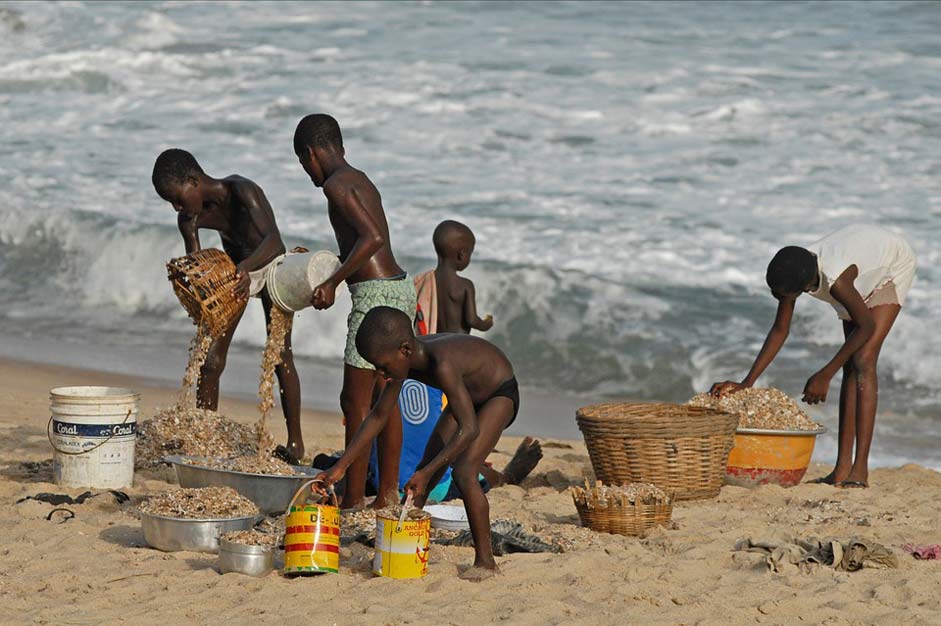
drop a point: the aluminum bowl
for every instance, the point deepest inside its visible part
(272, 494)
(173, 534)
(245, 559)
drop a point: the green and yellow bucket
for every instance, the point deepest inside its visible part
(402, 550)
(311, 537)
(775, 457)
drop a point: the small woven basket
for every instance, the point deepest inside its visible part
(617, 515)
(682, 449)
(203, 282)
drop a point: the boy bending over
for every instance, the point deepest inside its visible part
(483, 400)
(238, 209)
(864, 272)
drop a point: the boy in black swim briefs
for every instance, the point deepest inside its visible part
(483, 400)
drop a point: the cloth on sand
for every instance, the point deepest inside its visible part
(426, 317)
(506, 536)
(885, 261)
(841, 554)
(397, 292)
(928, 552)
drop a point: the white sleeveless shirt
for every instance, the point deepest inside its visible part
(881, 256)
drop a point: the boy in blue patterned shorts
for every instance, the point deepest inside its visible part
(374, 279)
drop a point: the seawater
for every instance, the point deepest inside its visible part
(628, 170)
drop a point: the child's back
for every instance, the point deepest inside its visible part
(457, 308)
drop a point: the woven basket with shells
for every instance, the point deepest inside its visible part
(628, 510)
(203, 282)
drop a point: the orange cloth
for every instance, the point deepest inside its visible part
(426, 320)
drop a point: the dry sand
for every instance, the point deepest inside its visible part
(95, 568)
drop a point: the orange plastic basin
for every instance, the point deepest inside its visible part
(776, 457)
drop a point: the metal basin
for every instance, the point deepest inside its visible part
(245, 559)
(272, 494)
(173, 534)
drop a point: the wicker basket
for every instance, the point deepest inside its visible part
(619, 516)
(681, 449)
(203, 282)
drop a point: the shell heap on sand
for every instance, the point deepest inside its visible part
(604, 496)
(251, 464)
(204, 503)
(188, 430)
(252, 538)
(769, 409)
(194, 432)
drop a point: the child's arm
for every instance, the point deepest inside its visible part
(461, 406)
(374, 424)
(773, 342)
(254, 202)
(470, 311)
(844, 292)
(369, 240)
(189, 230)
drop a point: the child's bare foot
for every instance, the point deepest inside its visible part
(352, 506)
(524, 461)
(287, 455)
(385, 499)
(477, 573)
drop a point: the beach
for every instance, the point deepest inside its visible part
(96, 569)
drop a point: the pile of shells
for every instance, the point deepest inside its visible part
(203, 503)
(607, 495)
(768, 409)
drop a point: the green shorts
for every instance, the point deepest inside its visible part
(398, 293)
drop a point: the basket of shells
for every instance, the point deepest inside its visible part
(681, 448)
(628, 510)
(203, 282)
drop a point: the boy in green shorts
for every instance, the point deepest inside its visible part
(374, 279)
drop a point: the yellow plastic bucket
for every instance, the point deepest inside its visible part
(401, 552)
(311, 537)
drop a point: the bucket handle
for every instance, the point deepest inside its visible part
(305, 486)
(69, 452)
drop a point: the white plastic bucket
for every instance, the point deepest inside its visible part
(92, 431)
(291, 281)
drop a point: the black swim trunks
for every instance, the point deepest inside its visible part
(507, 389)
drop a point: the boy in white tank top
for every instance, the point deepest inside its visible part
(865, 273)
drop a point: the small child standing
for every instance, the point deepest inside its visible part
(864, 272)
(483, 400)
(450, 307)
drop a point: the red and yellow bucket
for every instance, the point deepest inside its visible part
(775, 457)
(311, 537)
(402, 551)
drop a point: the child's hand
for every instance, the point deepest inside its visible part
(324, 482)
(487, 322)
(417, 485)
(816, 389)
(299, 249)
(721, 389)
(241, 288)
(324, 295)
